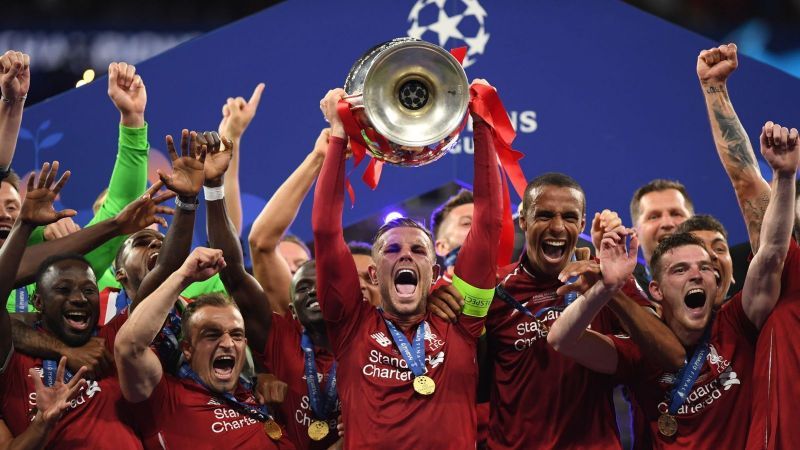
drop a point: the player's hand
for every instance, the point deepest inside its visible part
(715, 65)
(237, 113)
(15, 75)
(781, 148)
(61, 228)
(126, 90)
(616, 261)
(218, 157)
(270, 390)
(446, 302)
(603, 222)
(52, 401)
(202, 264)
(188, 173)
(143, 212)
(328, 107)
(93, 356)
(37, 208)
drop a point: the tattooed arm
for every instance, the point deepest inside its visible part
(714, 66)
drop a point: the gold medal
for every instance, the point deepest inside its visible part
(667, 425)
(318, 430)
(424, 385)
(272, 429)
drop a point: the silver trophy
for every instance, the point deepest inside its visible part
(413, 95)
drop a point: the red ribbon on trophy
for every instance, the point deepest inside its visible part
(485, 103)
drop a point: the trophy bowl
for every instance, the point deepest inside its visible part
(409, 99)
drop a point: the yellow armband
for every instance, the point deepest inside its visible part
(476, 300)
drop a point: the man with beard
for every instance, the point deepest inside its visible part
(67, 298)
(375, 348)
(685, 408)
(532, 397)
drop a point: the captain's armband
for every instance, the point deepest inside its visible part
(476, 300)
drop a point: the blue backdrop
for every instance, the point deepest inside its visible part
(598, 89)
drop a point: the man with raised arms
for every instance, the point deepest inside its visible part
(706, 404)
(406, 377)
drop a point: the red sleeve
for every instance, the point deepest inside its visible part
(284, 335)
(110, 330)
(338, 289)
(732, 312)
(634, 292)
(790, 279)
(477, 260)
(629, 358)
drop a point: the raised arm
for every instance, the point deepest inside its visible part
(714, 66)
(129, 176)
(37, 209)
(762, 287)
(569, 334)
(222, 235)
(338, 288)
(186, 180)
(15, 81)
(236, 116)
(269, 268)
(138, 367)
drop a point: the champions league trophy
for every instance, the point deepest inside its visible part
(407, 100)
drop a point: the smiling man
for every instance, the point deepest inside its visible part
(686, 408)
(406, 377)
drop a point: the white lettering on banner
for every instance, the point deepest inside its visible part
(229, 419)
(523, 122)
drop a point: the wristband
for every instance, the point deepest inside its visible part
(214, 193)
(476, 300)
(187, 204)
(13, 100)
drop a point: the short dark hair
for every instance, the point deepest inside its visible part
(55, 259)
(203, 300)
(359, 248)
(399, 223)
(439, 215)
(296, 240)
(658, 185)
(668, 243)
(702, 222)
(556, 179)
(12, 178)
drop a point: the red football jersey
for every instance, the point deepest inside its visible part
(99, 417)
(716, 412)
(775, 389)
(284, 358)
(540, 398)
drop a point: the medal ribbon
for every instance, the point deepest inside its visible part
(21, 300)
(258, 412)
(688, 375)
(501, 292)
(50, 368)
(413, 354)
(322, 407)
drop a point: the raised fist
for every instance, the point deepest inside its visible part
(202, 264)
(126, 89)
(15, 75)
(328, 107)
(781, 148)
(716, 65)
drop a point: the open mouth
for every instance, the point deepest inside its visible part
(695, 298)
(312, 305)
(554, 249)
(77, 320)
(223, 366)
(152, 260)
(718, 277)
(405, 282)
(5, 230)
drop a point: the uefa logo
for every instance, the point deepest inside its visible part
(450, 24)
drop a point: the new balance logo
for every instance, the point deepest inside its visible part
(381, 339)
(214, 402)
